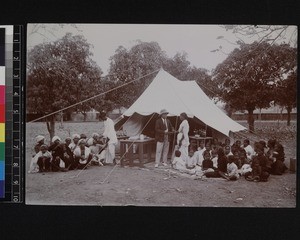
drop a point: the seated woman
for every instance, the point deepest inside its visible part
(82, 155)
(278, 167)
(221, 167)
(259, 166)
(246, 166)
(42, 159)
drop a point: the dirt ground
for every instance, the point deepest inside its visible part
(156, 187)
(149, 186)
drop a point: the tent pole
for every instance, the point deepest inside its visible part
(173, 147)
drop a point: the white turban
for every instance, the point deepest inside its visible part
(81, 141)
(95, 135)
(39, 138)
(56, 138)
(75, 136)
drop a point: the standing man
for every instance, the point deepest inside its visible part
(163, 128)
(109, 137)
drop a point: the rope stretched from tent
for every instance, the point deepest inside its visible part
(108, 175)
(98, 95)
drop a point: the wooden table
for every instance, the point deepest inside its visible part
(144, 147)
(122, 137)
(198, 139)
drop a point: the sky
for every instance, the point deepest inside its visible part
(197, 41)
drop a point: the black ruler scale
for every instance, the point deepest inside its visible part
(17, 178)
(14, 124)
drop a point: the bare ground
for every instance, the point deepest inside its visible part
(152, 187)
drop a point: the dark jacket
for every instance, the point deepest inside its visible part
(160, 129)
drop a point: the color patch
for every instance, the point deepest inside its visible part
(2, 149)
(2, 113)
(2, 132)
(2, 94)
(2, 170)
(2, 76)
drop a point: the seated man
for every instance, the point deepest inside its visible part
(57, 154)
(67, 154)
(82, 155)
(42, 159)
(98, 152)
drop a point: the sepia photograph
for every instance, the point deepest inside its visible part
(166, 115)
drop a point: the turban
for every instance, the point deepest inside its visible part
(56, 138)
(39, 138)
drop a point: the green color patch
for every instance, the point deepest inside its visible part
(2, 151)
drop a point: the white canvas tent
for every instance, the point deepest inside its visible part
(167, 92)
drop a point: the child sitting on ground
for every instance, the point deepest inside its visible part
(41, 161)
(207, 164)
(232, 170)
(179, 164)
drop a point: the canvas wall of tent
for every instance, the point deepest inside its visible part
(167, 92)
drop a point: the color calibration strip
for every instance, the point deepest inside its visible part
(12, 186)
(2, 112)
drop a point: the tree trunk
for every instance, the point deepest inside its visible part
(250, 120)
(289, 109)
(51, 126)
(68, 115)
(61, 119)
(84, 116)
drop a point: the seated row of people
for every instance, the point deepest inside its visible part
(231, 162)
(68, 155)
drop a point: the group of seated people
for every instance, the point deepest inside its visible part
(233, 161)
(75, 153)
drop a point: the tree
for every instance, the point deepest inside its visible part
(287, 94)
(248, 76)
(128, 65)
(180, 67)
(60, 73)
(263, 33)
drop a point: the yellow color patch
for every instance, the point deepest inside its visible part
(2, 132)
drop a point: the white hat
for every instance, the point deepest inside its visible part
(95, 135)
(39, 138)
(56, 138)
(90, 142)
(75, 136)
(81, 141)
(163, 111)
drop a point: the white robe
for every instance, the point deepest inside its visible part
(110, 132)
(184, 132)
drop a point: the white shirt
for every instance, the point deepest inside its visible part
(184, 129)
(249, 151)
(109, 131)
(178, 163)
(77, 152)
(72, 146)
(232, 169)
